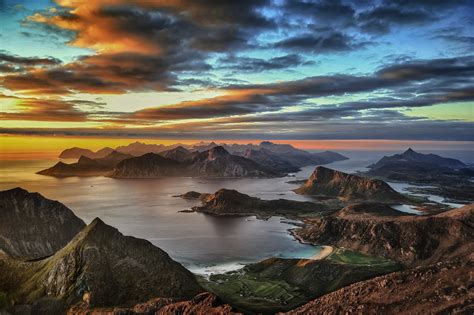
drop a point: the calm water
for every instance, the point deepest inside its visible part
(147, 209)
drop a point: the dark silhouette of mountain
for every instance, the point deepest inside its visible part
(150, 165)
(415, 159)
(75, 153)
(86, 166)
(179, 154)
(217, 162)
(271, 160)
(330, 183)
(32, 226)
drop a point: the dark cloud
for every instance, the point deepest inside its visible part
(380, 19)
(28, 61)
(248, 64)
(320, 43)
(324, 12)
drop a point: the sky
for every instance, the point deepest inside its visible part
(397, 70)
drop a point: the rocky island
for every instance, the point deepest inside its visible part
(328, 183)
(230, 202)
(446, 177)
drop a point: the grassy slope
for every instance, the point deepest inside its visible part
(268, 289)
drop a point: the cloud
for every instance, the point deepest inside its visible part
(248, 64)
(320, 43)
(34, 109)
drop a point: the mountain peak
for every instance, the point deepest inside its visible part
(409, 150)
(218, 151)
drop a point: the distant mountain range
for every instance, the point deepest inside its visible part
(139, 160)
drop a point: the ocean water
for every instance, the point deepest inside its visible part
(147, 209)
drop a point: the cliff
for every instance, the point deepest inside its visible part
(326, 182)
(32, 226)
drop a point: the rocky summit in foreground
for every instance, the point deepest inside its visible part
(101, 267)
(231, 202)
(411, 240)
(441, 288)
(32, 226)
(325, 182)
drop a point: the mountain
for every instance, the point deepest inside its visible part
(86, 166)
(411, 240)
(139, 148)
(232, 202)
(435, 289)
(179, 154)
(32, 226)
(271, 160)
(102, 267)
(217, 162)
(150, 165)
(75, 153)
(410, 157)
(330, 183)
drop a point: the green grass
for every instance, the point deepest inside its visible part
(249, 292)
(356, 258)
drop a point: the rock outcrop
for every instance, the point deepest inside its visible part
(33, 227)
(411, 240)
(202, 304)
(101, 267)
(326, 182)
(441, 288)
(232, 202)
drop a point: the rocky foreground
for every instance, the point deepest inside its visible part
(100, 271)
(441, 288)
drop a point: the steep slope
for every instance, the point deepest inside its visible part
(102, 267)
(442, 288)
(412, 240)
(278, 284)
(179, 154)
(217, 162)
(32, 226)
(232, 202)
(149, 165)
(330, 183)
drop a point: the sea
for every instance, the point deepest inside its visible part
(148, 208)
